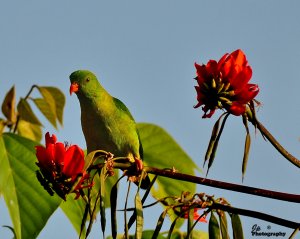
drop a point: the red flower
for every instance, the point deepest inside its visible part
(196, 215)
(60, 166)
(224, 84)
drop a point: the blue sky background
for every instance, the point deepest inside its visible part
(144, 54)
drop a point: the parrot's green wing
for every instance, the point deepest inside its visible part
(120, 105)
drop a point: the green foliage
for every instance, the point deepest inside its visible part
(162, 151)
(26, 113)
(223, 225)
(29, 130)
(139, 216)
(29, 204)
(148, 234)
(75, 209)
(52, 104)
(213, 227)
(24, 121)
(8, 106)
(237, 227)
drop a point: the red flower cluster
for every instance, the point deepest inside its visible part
(224, 84)
(60, 167)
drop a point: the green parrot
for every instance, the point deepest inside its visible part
(106, 122)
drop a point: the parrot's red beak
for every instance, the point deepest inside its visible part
(74, 88)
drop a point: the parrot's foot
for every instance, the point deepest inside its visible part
(139, 164)
(135, 173)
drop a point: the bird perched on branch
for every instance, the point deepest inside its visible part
(106, 122)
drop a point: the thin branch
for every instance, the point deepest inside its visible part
(255, 214)
(266, 134)
(277, 145)
(223, 185)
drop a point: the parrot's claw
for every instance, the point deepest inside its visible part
(139, 164)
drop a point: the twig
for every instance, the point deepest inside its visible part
(223, 185)
(277, 145)
(255, 214)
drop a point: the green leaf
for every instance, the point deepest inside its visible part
(102, 199)
(159, 224)
(213, 227)
(237, 227)
(147, 234)
(9, 104)
(113, 210)
(162, 151)
(29, 205)
(200, 234)
(2, 125)
(196, 235)
(44, 107)
(139, 216)
(74, 210)
(223, 225)
(216, 142)
(190, 223)
(246, 148)
(26, 113)
(173, 225)
(30, 131)
(55, 99)
(212, 140)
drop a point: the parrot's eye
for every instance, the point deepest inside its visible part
(87, 79)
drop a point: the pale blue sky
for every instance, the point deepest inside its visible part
(144, 54)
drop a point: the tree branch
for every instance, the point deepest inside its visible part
(255, 214)
(223, 185)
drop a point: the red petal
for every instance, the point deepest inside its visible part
(239, 57)
(241, 78)
(50, 139)
(226, 67)
(201, 73)
(41, 155)
(212, 69)
(247, 93)
(221, 61)
(45, 157)
(237, 108)
(74, 161)
(200, 96)
(207, 115)
(60, 152)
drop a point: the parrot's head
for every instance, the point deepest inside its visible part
(83, 82)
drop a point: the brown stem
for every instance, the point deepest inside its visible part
(255, 214)
(252, 118)
(223, 185)
(277, 145)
